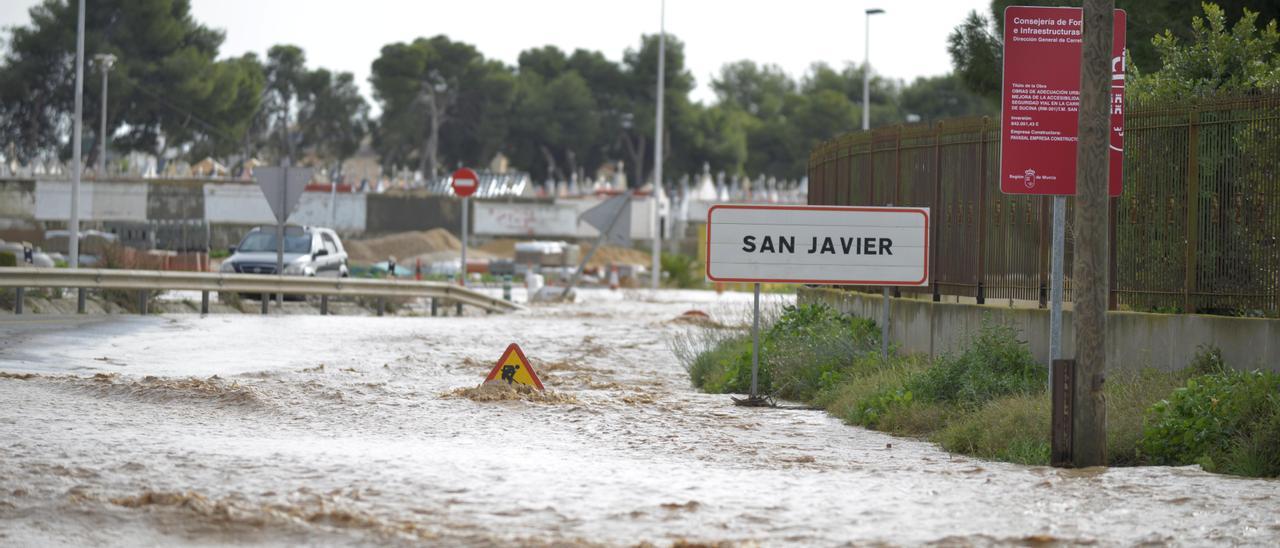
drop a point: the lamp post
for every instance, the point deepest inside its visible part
(866, 125)
(73, 221)
(655, 265)
(866, 72)
(105, 60)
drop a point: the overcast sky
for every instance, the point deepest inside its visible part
(908, 41)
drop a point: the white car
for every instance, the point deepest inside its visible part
(308, 251)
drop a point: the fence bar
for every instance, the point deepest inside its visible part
(1193, 218)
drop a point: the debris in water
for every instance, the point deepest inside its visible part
(18, 376)
(698, 318)
(502, 391)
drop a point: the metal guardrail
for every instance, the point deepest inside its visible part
(89, 278)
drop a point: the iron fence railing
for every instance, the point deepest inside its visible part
(1197, 228)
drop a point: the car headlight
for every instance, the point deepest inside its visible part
(227, 266)
(297, 269)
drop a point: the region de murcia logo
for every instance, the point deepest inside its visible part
(1029, 178)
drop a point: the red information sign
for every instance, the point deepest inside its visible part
(465, 182)
(1039, 114)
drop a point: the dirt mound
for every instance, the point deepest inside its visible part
(501, 247)
(616, 255)
(402, 245)
(165, 390)
(499, 391)
(303, 510)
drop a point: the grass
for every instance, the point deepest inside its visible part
(990, 400)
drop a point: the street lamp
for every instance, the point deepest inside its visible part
(655, 266)
(866, 72)
(105, 60)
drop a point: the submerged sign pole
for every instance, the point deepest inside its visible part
(755, 345)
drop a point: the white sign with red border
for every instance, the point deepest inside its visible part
(818, 244)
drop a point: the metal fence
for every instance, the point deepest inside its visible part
(1196, 230)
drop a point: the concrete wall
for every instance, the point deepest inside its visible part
(99, 201)
(243, 204)
(398, 213)
(1134, 340)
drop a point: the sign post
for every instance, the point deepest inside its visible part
(282, 187)
(465, 183)
(1039, 121)
(886, 246)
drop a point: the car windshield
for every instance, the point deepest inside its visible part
(266, 241)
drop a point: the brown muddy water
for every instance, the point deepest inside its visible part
(365, 431)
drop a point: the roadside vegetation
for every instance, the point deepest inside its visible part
(990, 399)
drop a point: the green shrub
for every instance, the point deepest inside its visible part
(1225, 422)
(876, 393)
(682, 271)
(1207, 361)
(7, 258)
(709, 370)
(994, 364)
(811, 348)
(1129, 396)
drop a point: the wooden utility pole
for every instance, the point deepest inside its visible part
(1089, 447)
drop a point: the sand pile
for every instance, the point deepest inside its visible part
(616, 255)
(501, 391)
(403, 246)
(501, 247)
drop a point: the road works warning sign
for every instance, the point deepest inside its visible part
(514, 368)
(1039, 117)
(818, 244)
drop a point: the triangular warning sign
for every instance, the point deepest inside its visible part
(513, 367)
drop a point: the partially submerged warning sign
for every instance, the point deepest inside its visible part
(514, 368)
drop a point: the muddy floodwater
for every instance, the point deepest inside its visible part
(282, 430)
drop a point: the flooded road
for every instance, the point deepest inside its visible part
(339, 430)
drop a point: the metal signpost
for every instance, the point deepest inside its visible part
(815, 245)
(283, 187)
(465, 182)
(612, 218)
(1039, 122)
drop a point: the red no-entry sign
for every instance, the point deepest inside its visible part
(1040, 103)
(465, 182)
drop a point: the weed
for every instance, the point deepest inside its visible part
(1013, 428)
(682, 271)
(994, 364)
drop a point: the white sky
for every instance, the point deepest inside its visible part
(909, 40)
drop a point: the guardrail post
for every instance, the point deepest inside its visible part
(142, 302)
(266, 301)
(204, 302)
(459, 308)
(434, 309)
(381, 306)
(20, 293)
(80, 300)
(324, 305)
